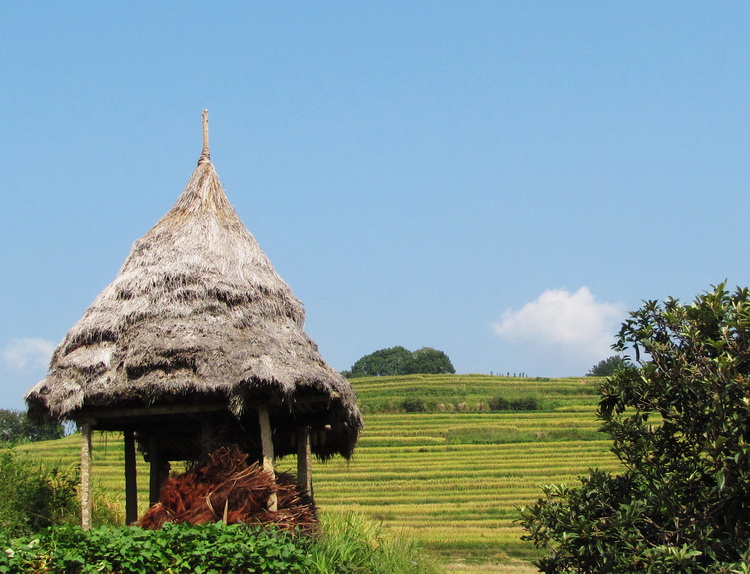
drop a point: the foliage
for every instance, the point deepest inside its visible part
(349, 544)
(414, 405)
(352, 544)
(32, 497)
(176, 548)
(680, 424)
(400, 361)
(16, 427)
(500, 403)
(609, 366)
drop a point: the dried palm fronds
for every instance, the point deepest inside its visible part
(228, 488)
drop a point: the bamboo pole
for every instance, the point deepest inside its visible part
(266, 441)
(86, 463)
(304, 456)
(205, 155)
(131, 478)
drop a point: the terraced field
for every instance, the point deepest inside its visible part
(455, 479)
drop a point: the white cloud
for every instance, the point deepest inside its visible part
(26, 354)
(573, 322)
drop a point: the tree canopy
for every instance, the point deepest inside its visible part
(609, 366)
(400, 361)
(680, 424)
(16, 427)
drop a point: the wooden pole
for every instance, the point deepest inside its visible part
(304, 456)
(266, 441)
(131, 480)
(86, 463)
(155, 465)
(205, 155)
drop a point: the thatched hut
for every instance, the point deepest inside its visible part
(197, 342)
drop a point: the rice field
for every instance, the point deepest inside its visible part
(454, 480)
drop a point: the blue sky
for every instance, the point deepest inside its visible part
(502, 181)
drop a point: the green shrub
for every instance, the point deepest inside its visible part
(32, 497)
(524, 404)
(350, 544)
(414, 405)
(518, 404)
(499, 404)
(176, 548)
(679, 422)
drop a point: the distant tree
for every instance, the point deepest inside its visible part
(391, 361)
(609, 366)
(431, 361)
(16, 427)
(400, 361)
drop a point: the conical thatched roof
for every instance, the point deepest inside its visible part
(197, 313)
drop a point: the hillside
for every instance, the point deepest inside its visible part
(454, 477)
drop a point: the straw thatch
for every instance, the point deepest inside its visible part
(198, 314)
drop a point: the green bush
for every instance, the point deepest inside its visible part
(349, 544)
(176, 548)
(414, 405)
(499, 404)
(680, 424)
(518, 404)
(32, 497)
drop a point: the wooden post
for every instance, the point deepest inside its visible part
(155, 465)
(304, 455)
(205, 155)
(131, 484)
(86, 458)
(266, 441)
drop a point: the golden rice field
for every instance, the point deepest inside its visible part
(452, 479)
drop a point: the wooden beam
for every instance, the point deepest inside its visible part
(266, 440)
(86, 464)
(131, 412)
(131, 480)
(304, 461)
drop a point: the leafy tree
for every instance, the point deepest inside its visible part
(400, 361)
(609, 366)
(431, 361)
(680, 424)
(391, 361)
(16, 427)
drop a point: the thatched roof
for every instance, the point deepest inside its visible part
(196, 313)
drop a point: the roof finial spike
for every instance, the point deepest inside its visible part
(205, 155)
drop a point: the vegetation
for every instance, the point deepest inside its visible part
(400, 361)
(16, 427)
(176, 548)
(349, 544)
(32, 497)
(609, 366)
(680, 424)
(472, 393)
(451, 480)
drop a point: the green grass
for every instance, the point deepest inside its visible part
(453, 480)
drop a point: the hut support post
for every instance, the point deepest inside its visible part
(304, 466)
(155, 467)
(131, 484)
(86, 500)
(266, 440)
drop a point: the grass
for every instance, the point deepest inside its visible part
(453, 480)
